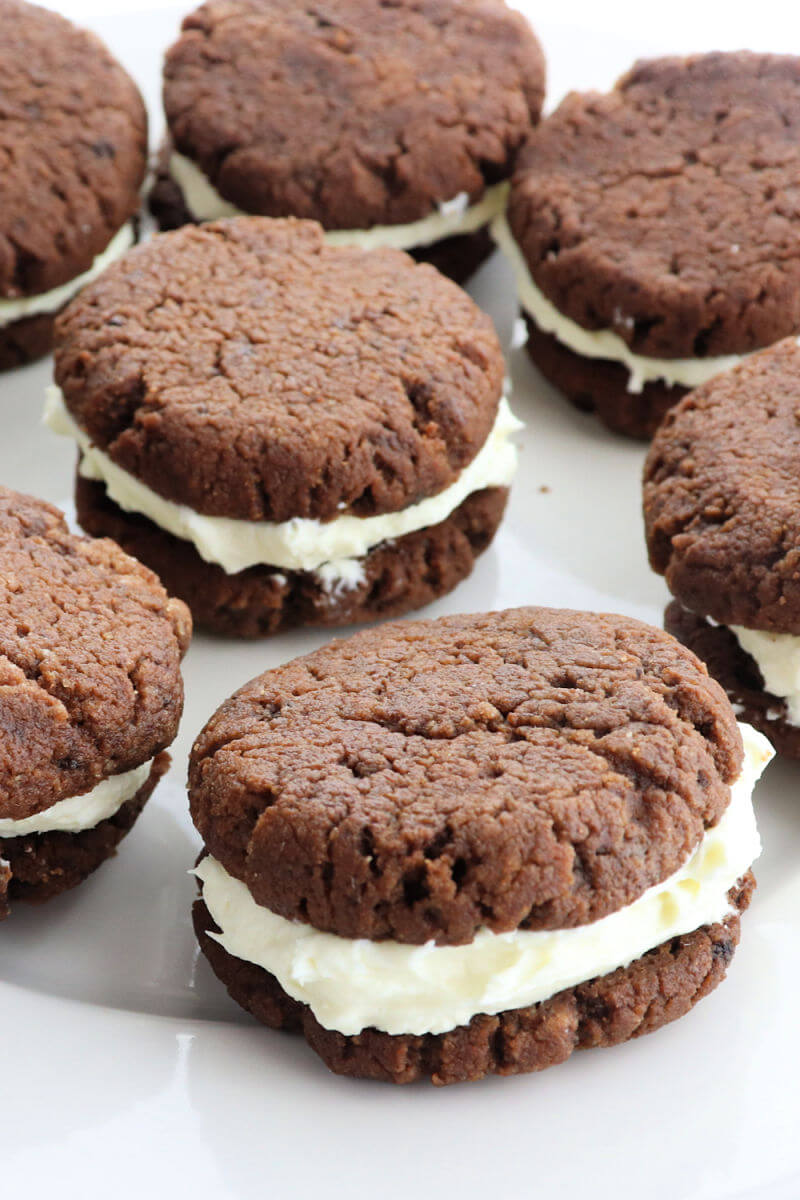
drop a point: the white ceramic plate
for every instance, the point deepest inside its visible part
(126, 1071)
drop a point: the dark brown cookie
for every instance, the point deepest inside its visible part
(90, 650)
(738, 673)
(370, 114)
(722, 495)
(248, 369)
(533, 768)
(405, 574)
(600, 386)
(658, 212)
(73, 142)
(43, 865)
(659, 987)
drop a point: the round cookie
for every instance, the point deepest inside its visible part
(650, 232)
(470, 784)
(721, 502)
(90, 650)
(73, 144)
(291, 432)
(390, 124)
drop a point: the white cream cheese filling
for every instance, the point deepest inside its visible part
(300, 544)
(602, 343)
(50, 302)
(778, 658)
(354, 984)
(456, 216)
(77, 813)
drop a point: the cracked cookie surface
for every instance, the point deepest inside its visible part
(248, 369)
(367, 114)
(90, 651)
(722, 495)
(666, 210)
(534, 768)
(73, 147)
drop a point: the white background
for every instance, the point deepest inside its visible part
(126, 1069)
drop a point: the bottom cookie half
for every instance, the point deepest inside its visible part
(738, 673)
(25, 340)
(458, 256)
(39, 866)
(655, 989)
(398, 576)
(600, 386)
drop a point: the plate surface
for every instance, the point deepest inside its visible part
(127, 1070)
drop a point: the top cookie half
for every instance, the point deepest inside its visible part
(533, 768)
(668, 211)
(247, 369)
(73, 149)
(350, 112)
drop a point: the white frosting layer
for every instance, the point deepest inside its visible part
(778, 658)
(602, 343)
(300, 544)
(51, 302)
(353, 984)
(456, 216)
(77, 813)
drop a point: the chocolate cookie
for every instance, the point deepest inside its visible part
(311, 432)
(721, 500)
(394, 124)
(487, 786)
(73, 141)
(646, 227)
(90, 650)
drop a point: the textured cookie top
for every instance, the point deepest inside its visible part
(722, 495)
(535, 768)
(668, 210)
(352, 112)
(249, 370)
(90, 650)
(73, 149)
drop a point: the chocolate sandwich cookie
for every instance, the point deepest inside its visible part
(390, 124)
(90, 697)
(287, 431)
(452, 848)
(654, 232)
(722, 515)
(73, 146)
